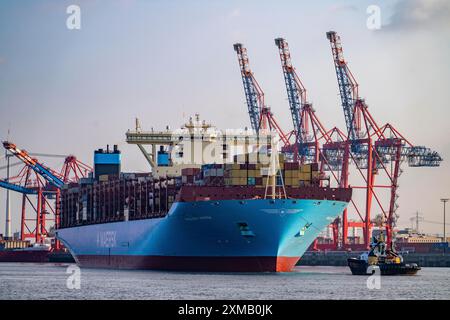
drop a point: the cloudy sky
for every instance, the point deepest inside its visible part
(71, 91)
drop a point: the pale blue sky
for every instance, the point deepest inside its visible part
(65, 91)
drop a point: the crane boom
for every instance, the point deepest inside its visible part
(307, 127)
(15, 187)
(348, 87)
(295, 90)
(253, 92)
(24, 190)
(47, 173)
(261, 118)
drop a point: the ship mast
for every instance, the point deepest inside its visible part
(273, 171)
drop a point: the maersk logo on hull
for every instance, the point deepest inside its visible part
(106, 239)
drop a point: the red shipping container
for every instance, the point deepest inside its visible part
(291, 165)
(186, 172)
(190, 171)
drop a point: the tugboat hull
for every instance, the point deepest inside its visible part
(359, 267)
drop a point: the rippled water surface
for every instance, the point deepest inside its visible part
(49, 281)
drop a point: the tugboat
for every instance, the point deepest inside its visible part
(387, 260)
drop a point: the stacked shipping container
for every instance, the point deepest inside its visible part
(131, 197)
(301, 175)
(255, 175)
(244, 174)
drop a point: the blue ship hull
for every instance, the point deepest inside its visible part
(227, 235)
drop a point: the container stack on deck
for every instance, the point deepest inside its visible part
(213, 174)
(301, 175)
(191, 175)
(128, 197)
(247, 174)
(109, 195)
(131, 196)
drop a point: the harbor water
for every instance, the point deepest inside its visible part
(65, 281)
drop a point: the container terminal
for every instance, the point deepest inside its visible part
(314, 164)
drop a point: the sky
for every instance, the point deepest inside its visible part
(71, 91)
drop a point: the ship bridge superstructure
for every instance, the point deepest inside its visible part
(195, 143)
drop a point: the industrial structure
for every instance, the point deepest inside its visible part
(374, 149)
(368, 149)
(40, 187)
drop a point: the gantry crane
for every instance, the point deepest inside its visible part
(28, 183)
(46, 185)
(372, 148)
(309, 130)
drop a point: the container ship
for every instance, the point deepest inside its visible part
(231, 214)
